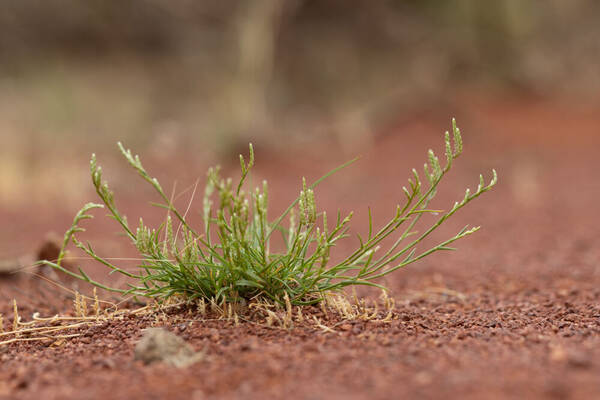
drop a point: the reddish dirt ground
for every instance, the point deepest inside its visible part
(515, 313)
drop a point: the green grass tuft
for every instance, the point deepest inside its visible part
(230, 258)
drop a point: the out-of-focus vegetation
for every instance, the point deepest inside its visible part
(219, 73)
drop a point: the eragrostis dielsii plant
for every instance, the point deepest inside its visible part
(229, 257)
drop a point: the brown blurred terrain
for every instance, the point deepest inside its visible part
(189, 84)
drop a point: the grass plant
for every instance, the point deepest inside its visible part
(230, 259)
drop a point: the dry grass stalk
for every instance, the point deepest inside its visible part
(287, 320)
(16, 318)
(45, 328)
(201, 307)
(323, 327)
(299, 316)
(80, 305)
(96, 306)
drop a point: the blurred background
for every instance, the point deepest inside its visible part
(188, 84)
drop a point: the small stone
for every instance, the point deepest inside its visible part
(558, 354)
(8, 267)
(423, 378)
(571, 357)
(579, 359)
(85, 340)
(106, 363)
(160, 345)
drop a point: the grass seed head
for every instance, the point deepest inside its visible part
(16, 317)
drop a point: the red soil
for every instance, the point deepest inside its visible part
(515, 313)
